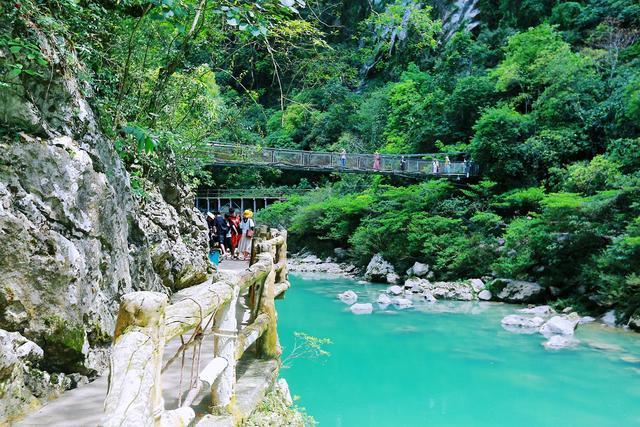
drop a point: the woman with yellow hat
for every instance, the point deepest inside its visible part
(247, 225)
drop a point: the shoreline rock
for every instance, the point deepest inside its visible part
(312, 264)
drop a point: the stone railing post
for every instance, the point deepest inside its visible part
(225, 329)
(134, 395)
(269, 345)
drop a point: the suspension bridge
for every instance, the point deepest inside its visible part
(408, 165)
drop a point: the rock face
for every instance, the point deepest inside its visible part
(73, 237)
(21, 382)
(381, 271)
(518, 291)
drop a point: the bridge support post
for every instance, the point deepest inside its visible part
(136, 362)
(224, 345)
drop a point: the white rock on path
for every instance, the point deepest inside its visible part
(348, 297)
(362, 308)
(485, 295)
(558, 342)
(541, 310)
(394, 290)
(559, 325)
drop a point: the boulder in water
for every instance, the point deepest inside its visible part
(428, 297)
(609, 318)
(362, 308)
(586, 319)
(348, 297)
(383, 299)
(485, 295)
(394, 290)
(541, 310)
(559, 325)
(558, 342)
(515, 321)
(402, 303)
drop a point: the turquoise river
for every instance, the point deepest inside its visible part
(451, 364)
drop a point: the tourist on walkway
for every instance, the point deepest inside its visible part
(403, 164)
(447, 164)
(343, 158)
(247, 225)
(221, 231)
(212, 231)
(234, 223)
(376, 161)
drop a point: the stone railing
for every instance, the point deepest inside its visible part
(147, 321)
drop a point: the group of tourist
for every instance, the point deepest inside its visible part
(230, 234)
(436, 167)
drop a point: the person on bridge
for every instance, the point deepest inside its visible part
(247, 225)
(343, 158)
(376, 161)
(447, 164)
(403, 164)
(234, 223)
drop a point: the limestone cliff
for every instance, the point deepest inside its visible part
(73, 238)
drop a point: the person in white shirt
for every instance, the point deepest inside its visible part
(247, 226)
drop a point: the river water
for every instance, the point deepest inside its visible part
(451, 364)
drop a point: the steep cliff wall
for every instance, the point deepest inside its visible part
(73, 238)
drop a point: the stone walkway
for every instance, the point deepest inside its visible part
(83, 406)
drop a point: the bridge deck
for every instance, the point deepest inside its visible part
(314, 161)
(83, 406)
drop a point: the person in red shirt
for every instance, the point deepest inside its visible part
(234, 223)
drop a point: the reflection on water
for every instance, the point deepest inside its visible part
(451, 364)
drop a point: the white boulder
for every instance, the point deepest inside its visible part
(394, 290)
(348, 297)
(484, 295)
(477, 285)
(380, 271)
(402, 303)
(559, 325)
(419, 270)
(557, 342)
(383, 299)
(609, 318)
(541, 310)
(428, 297)
(518, 291)
(516, 321)
(586, 319)
(362, 308)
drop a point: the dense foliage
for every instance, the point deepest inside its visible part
(544, 95)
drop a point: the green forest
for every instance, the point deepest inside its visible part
(543, 95)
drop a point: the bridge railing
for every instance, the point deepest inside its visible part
(146, 322)
(423, 165)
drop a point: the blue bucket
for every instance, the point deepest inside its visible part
(214, 257)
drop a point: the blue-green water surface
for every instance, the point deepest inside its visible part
(451, 364)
